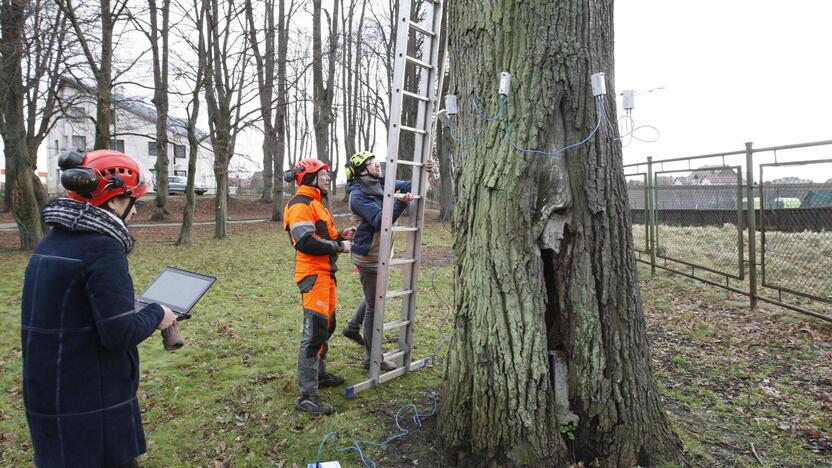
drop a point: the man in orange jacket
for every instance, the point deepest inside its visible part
(318, 244)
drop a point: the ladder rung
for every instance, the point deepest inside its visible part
(397, 293)
(367, 384)
(401, 261)
(404, 229)
(415, 96)
(418, 62)
(414, 130)
(410, 163)
(393, 355)
(395, 324)
(422, 30)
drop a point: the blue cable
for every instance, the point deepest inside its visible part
(485, 120)
(417, 416)
(507, 129)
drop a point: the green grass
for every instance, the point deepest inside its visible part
(729, 377)
(228, 395)
(796, 261)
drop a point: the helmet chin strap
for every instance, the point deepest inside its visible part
(128, 209)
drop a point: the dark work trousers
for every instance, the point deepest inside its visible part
(357, 320)
(368, 285)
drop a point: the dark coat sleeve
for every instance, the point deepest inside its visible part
(111, 295)
(399, 206)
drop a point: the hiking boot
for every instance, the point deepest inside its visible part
(354, 335)
(386, 366)
(329, 380)
(313, 405)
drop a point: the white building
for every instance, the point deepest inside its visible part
(134, 132)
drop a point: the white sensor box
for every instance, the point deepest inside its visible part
(505, 83)
(599, 84)
(450, 104)
(629, 99)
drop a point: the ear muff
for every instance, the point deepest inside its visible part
(349, 169)
(70, 159)
(82, 180)
(289, 175)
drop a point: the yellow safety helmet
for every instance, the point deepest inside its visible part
(356, 163)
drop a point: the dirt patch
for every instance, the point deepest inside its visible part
(238, 209)
(437, 256)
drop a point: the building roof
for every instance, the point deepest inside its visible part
(136, 106)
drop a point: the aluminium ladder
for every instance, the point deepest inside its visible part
(429, 30)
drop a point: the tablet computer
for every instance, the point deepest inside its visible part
(177, 289)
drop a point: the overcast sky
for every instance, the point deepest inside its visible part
(733, 71)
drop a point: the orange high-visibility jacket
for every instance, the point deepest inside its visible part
(313, 233)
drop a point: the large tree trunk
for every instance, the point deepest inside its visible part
(444, 152)
(560, 278)
(160, 100)
(19, 173)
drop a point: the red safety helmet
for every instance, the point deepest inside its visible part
(100, 175)
(303, 167)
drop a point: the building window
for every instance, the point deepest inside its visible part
(117, 145)
(76, 114)
(80, 142)
(151, 148)
(180, 173)
(178, 152)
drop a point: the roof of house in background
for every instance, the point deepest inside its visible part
(137, 106)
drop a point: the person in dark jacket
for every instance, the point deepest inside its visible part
(79, 325)
(366, 188)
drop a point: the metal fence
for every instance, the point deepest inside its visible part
(706, 217)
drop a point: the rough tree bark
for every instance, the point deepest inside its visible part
(560, 276)
(23, 201)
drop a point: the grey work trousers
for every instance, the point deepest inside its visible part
(365, 312)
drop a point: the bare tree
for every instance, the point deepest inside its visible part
(44, 37)
(265, 62)
(194, 139)
(298, 133)
(24, 205)
(323, 91)
(159, 46)
(281, 133)
(549, 363)
(225, 60)
(109, 14)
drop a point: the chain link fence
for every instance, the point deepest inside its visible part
(692, 216)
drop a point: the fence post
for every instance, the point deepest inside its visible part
(651, 237)
(750, 207)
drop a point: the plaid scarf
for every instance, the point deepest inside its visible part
(79, 216)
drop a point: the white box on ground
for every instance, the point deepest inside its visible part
(332, 464)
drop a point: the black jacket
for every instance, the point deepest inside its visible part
(79, 333)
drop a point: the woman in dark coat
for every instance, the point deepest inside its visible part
(79, 325)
